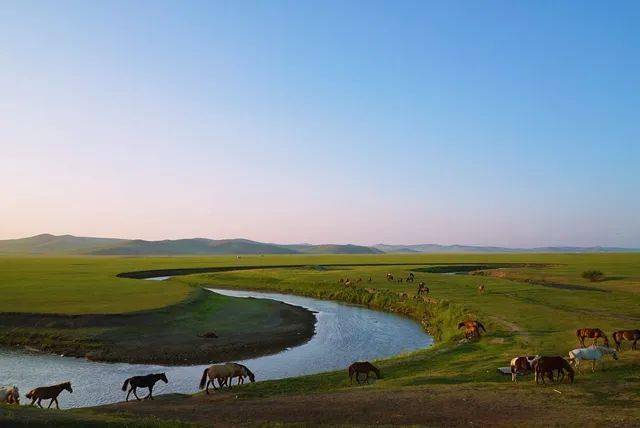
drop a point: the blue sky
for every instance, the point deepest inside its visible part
(503, 123)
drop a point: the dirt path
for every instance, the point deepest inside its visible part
(437, 406)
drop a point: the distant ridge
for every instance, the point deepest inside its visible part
(437, 248)
(68, 244)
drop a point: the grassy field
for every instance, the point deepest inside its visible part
(532, 307)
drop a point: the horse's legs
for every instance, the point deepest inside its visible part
(50, 403)
(57, 405)
(128, 394)
(635, 344)
(593, 366)
(206, 389)
(33, 401)
(150, 396)
(39, 400)
(135, 389)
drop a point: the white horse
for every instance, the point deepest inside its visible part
(593, 354)
(9, 395)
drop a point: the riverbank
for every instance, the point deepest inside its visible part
(174, 335)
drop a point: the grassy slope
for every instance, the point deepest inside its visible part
(521, 318)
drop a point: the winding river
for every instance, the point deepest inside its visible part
(344, 333)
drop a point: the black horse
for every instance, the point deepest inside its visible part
(143, 382)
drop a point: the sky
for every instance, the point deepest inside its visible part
(487, 123)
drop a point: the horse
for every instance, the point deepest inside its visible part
(240, 371)
(410, 278)
(472, 329)
(481, 289)
(221, 372)
(593, 354)
(522, 365)
(620, 335)
(546, 365)
(147, 381)
(48, 392)
(9, 395)
(422, 288)
(361, 367)
(389, 277)
(591, 333)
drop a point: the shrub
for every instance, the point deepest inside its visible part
(593, 275)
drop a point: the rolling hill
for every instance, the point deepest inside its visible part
(68, 244)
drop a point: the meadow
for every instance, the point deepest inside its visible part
(533, 306)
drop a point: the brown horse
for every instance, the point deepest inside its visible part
(361, 367)
(591, 333)
(422, 288)
(472, 329)
(48, 392)
(546, 365)
(147, 381)
(620, 335)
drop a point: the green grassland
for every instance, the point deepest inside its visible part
(533, 306)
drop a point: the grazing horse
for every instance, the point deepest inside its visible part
(472, 329)
(347, 283)
(410, 278)
(48, 392)
(593, 354)
(9, 395)
(389, 277)
(422, 288)
(361, 367)
(221, 372)
(522, 365)
(240, 371)
(591, 333)
(147, 381)
(481, 289)
(620, 335)
(546, 365)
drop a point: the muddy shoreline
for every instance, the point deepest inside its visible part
(155, 337)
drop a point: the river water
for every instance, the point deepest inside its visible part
(344, 334)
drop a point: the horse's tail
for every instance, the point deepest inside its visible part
(377, 372)
(124, 385)
(203, 380)
(569, 369)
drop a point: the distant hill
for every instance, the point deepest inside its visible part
(193, 246)
(68, 244)
(333, 249)
(436, 248)
(52, 244)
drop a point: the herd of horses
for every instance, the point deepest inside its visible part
(554, 367)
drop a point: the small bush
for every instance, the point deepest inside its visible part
(593, 275)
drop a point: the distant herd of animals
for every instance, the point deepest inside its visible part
(551, 367)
